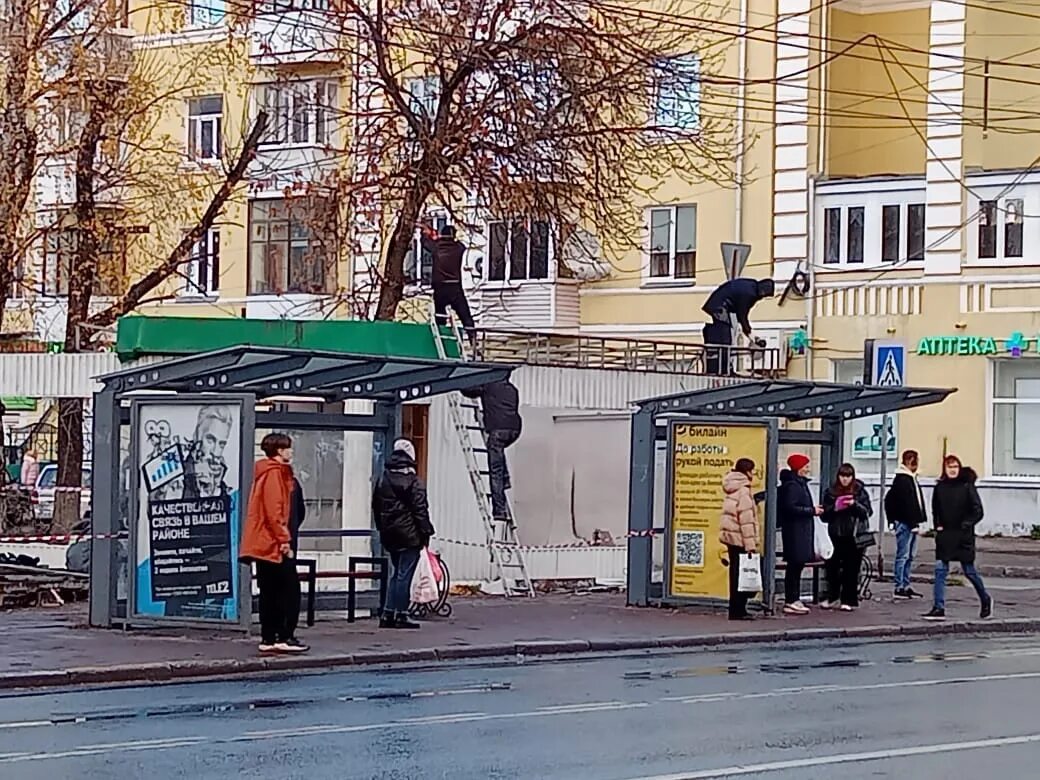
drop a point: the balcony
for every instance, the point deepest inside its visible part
(56, 185)
(93, 55)
(293, 36)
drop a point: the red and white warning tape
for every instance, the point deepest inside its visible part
(58, 538)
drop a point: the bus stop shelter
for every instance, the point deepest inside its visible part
(706, 431)
(174, 446)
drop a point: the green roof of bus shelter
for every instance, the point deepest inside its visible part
(175, 336)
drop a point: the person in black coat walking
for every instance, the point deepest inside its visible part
(795, 512)
(956, 510)
(905, 509)
(847, 511)
(401, 512)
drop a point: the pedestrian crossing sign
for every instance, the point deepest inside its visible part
(889, 365)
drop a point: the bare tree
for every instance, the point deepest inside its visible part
(511, 110)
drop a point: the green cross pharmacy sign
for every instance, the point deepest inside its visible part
(1014, 345)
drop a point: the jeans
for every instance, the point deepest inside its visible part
(737, 600)
(279, 586)
(452, 294)
(498, 469)
(942, 569)
(843, 572)
(399, 592)
(906, 549)
(793, 582)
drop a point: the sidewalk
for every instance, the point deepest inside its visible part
(997, 556)
(47, 648)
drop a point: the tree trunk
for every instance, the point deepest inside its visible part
(70, 465)
(391, 291)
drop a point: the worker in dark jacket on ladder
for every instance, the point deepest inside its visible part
(447, 276)
(735, 298)
(500, 402)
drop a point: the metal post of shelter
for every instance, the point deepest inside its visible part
(104, 506)
(641, 508)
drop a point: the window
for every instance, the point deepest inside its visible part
(832, 240)
(677, 94)
(518, 250)
(673, 242)
(16, 285)
(1013, 227)
(300, 112)
(1016, 418)
(204, 128)
(205, 13)
(890, 234)
(863, 436)
(202, 272)
(77, 22)
(422, 274)
(854, 250)
(290, 247)
(423, 94)
(915, 232)
(988, 229)
(59, 254)
(284, 6)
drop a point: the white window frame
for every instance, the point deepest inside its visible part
(424, 92)
(508, 280)
(872, 197)
(437, 218)
(676, 106)
(194, 127)
(205, 14)
(992, 402)
(647, 264)
(203, 281)
(1030, 197)
(317, 100)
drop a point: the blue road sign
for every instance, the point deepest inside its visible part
(889, 365)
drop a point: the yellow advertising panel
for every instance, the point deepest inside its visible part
(701, 455)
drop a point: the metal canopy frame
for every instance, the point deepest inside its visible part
(831, 403)
(260, 372)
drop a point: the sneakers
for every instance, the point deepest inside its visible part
(268, 647)
(400, 620)
(742, 617)
(936, 614)
(797, 608)
(846, 608)
(291, 646)
(404, 622)
(829, 604)
(913, 594)
(987, 608)
(388, 621)
(902, 594)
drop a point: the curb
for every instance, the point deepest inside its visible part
(177, 671)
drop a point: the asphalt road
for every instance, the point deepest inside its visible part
(936, 709)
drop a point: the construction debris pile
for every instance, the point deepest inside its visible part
(24, 583)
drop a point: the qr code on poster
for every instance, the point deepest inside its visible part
(689, 548)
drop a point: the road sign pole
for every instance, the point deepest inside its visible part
(885, 422)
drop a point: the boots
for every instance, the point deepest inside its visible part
(397, 620)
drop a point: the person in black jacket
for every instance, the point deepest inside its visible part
(847, 511)
(956, 510)
(401, 513)
(297, 514)
(447, 276)
(500, 403)
(905, 510)
(736, 297)
(795, 512)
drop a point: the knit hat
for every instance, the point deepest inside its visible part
(405, 446)
(797, 462)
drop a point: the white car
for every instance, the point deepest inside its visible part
(46, 489)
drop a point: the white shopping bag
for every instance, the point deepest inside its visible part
(424, 584)
(823, 547)
(749, 578)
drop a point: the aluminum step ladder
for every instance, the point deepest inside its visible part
(507, 558)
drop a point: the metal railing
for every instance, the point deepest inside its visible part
(625, 354)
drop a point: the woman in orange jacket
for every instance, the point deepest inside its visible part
(267, 542)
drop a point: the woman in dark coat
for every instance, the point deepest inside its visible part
(847, 511)
(956, 510)
(795, 512)
(402, 517)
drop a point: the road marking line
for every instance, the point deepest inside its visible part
(847, 758)
(779, 692)
(572, 707)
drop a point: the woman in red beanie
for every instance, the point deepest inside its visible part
(795, 512)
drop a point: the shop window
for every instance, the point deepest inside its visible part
(1015, 437)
